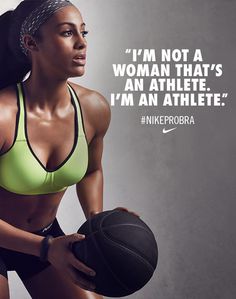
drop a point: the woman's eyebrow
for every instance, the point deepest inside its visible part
(71, 24)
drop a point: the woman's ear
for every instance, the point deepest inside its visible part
(30, 43)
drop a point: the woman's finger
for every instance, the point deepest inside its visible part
(80, 266)
(122, 209)
(126, 210)
(135, 214)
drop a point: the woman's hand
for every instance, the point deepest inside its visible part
(126, 210)
(62, 258)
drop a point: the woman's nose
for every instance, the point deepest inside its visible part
(80, 42)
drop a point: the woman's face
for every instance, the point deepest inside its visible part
(61, 50)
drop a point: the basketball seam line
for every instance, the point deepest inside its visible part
(104, 259)
(116, 225)
(130, 249)
(91, 236)
(133, 252)
(135, 225)
(125, 224)
(124, 245)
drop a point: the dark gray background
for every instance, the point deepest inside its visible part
(181, 183)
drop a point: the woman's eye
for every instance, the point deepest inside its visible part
(67, 33)
(84, 33)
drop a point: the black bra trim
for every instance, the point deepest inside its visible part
(81, 113)
(75, 134)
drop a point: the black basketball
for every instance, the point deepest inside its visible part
(122, 250)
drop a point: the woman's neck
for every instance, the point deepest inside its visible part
(46, 93)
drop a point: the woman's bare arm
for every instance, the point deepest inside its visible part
(19, 240)
(90, 188)
(8, 111)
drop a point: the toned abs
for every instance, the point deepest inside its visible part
(51, 137)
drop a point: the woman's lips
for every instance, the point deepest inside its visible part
(80, 59)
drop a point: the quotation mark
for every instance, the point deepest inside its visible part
(224, 95)
(127, 51)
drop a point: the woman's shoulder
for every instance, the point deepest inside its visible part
(8, 97)
(8, 104)
(95, 106)
(8, 111)
(90, 97)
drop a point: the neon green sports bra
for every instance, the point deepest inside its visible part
(22, 172)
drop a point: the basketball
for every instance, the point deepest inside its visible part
(122, 250)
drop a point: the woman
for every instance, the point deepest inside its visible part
(51, 137)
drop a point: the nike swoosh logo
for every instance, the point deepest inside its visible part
(166, 131)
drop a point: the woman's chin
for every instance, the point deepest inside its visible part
(77, 72)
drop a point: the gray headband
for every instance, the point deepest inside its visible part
(38, 16)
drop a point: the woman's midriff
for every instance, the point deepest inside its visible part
(29, 212)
